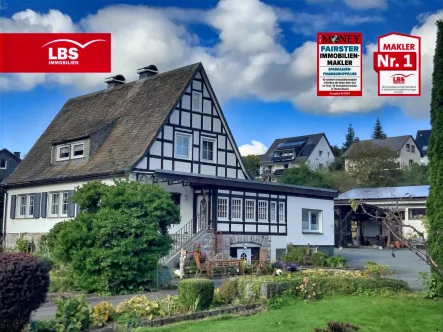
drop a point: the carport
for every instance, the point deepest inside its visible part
(357, 228)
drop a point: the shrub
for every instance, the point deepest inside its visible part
(21, 244)
(429, 283)
(42, 326)
(140, 307)
(72, 315)
(375, 270)
(249, 288)
(290, 267)
(127, 320)
(338, 327)
(24, 282)
(171, 305)
(227, 292)
(101, 313)
(114, 246)
(307, 290)
(326, 273)
(294, 254)
(196, 292)
(61, 280)
(337, 261)
(319, 259)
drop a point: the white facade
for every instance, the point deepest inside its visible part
(409, 154)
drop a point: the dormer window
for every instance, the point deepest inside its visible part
(63, 152)
(68, 151)
(77, 150)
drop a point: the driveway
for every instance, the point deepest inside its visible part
(48, 309)
(406, 264)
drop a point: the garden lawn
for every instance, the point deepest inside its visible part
(400, 313)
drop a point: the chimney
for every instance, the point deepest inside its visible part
(114, 81)
(17, 154)
(383, 136)
(148, 71)
(356, 140)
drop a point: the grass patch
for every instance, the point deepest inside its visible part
(373, 314)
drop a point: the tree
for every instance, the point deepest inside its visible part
(303, 176)
(377, 132)
(373, 166)
(115, 243)
(349, 138)
(252, 164)
(414, 175)
(336, 151)
(435, 154)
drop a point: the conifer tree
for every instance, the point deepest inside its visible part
(349, 138)
(435, 154)
(377, 133)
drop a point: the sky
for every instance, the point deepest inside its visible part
(260, 57)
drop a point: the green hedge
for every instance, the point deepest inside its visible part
(191, 290)
(250, 288)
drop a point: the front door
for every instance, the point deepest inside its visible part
(202, 214)
(244, 254)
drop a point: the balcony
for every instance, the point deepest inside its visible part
(283, 158)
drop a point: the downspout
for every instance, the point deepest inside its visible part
(5, 210)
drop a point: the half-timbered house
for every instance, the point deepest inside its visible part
(168, 129)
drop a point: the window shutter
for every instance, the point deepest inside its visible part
(71, 204)
(44, 204)
(13, 206)
(37, 199)
(305, 219)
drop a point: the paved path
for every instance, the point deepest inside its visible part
(406, 264)
(48, 309)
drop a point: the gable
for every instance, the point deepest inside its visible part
(195, 138)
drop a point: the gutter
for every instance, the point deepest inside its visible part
(5, 217)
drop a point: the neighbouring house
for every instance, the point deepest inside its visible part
(167, 129)
(8, 162)
(358, 228)
(406, 146)
(422, 140)
(314, 150)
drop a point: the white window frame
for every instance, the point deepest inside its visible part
(19, 206)
(28, 206)
(61, 203)
(281, 213)
(189, 137)
(273, 207)
(59, 147)
(50, 203)
(226, 200)
(6, 164)
(214, 152)
(233, 208)
(319, 221)
(261, 212)
(72, 150)
(246, 209)
(413, 148)
(200, 101)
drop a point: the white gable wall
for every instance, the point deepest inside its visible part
(406, 156)
(327, 157)
(199, 123)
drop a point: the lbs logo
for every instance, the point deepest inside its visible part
(69, 54)
(55, 53)
(399, 78)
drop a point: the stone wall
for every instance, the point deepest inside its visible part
(11, 238)
(264, 241)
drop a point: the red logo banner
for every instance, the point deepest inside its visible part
(55, 52)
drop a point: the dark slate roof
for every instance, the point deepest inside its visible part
(395, 143)
(302, 153)
(136, 111)
(209, 180)
(422, 140)
(386, 193)
(10, 154)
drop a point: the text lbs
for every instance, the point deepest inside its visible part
(63, 53)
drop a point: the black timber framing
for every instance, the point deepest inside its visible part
(256, 198)
(213, 114)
